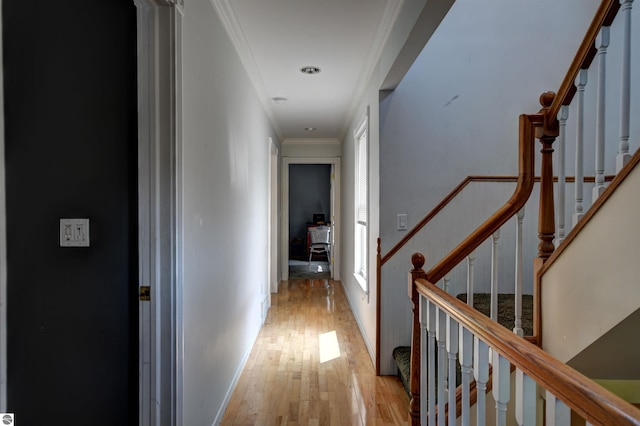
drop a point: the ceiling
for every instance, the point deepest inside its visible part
(276, 38)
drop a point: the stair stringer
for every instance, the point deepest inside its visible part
(592, 284)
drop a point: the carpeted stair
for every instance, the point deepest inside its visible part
(482, 302)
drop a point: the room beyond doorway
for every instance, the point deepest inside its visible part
(309, 204)
(332, 218)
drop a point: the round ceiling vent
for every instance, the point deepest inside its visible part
(310, 70)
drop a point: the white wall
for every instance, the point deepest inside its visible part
(426, 15)
(311, 148)
(225, 163)
(593, 284)
(456, 111)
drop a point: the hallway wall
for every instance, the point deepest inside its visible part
(225, 178)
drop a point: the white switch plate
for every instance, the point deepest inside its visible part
(402, 221)
(74, 232)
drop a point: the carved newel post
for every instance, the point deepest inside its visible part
(547, 135)
(417, 260)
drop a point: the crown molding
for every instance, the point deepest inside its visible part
(178, 4)
(310, 141)
(227, 14)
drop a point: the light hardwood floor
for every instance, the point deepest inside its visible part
(284, 382)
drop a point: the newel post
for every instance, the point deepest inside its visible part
(546, 221)
(417, 260)
(547, 135)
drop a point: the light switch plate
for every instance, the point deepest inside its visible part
(402, 221)
(74, 232)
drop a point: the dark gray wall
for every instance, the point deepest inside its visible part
(309, 193)
(71, 141)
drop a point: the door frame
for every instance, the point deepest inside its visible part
(159, 33)
(272, 279)
(335, 210)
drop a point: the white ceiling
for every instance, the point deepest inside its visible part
(275, 38)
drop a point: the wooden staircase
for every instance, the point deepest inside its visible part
(451, 337)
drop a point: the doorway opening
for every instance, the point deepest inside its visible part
(309, 214)
(310, 199)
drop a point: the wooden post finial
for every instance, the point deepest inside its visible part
(417, 260)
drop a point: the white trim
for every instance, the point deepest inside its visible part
(3, 246)
(363, 129)
(307, 141)
(236, 378)
(272, 278)
(335, 205)
(159, 242)
(229, 18)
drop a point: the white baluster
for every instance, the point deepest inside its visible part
(518, 276)
(581, 82)
(560, 149)
(446, 280)
(470, 270)
(602, 42)
(481, 374)
(452, 352)
(558, 413)
(623, 156)
(494, 276)
(501, 386)
(441, 336)
(526, 394)
(432, 327)
(424, 356)
(466, 364)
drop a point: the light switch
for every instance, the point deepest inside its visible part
(74, 232)
(402, 221)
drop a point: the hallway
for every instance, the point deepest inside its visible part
(285, 381)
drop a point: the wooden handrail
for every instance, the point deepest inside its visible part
(526, 175)
(441, 205)
(453, 194)
(584, 56)
(592, 402)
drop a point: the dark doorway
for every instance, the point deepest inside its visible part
(309, 203)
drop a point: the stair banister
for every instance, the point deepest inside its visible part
(595, 404)
(584, 56)
(526, 178)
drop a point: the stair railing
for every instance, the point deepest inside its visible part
(489, 350)
(530, 126)
(438, 315)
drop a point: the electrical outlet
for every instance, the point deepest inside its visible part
(74, 232)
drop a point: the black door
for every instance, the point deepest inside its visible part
(71, 152)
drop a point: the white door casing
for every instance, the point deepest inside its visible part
(159, 30)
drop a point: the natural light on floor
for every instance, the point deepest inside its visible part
(329, 348)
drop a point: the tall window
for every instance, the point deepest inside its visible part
(362, 203)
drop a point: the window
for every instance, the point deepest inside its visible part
(361, 205)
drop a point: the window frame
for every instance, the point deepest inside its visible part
(361, 204)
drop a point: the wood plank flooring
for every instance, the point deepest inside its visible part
(284, 383)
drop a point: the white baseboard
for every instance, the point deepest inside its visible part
(370, 349)
(236, 378)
